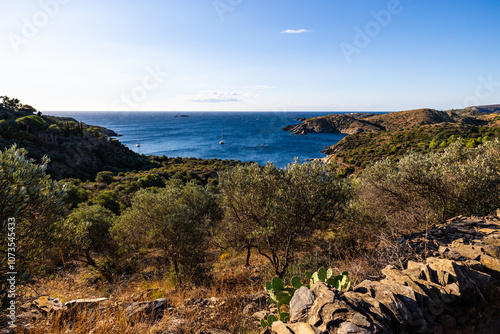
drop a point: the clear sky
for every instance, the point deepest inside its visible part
(245, 55)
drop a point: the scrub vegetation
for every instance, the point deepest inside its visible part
(201, 228)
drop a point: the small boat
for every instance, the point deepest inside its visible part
(138, 144)
(222, 139)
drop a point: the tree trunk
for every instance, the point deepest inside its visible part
(89, 259)
(247, 262)
(177, 273)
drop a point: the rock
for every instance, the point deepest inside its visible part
(48, 304)
(259, 315)
(348, 328)
(300, 304)
(331, 309)
(280, 328)
(391, 297)
(153, 310)
(84, 303)
(298, 328)
(421, 298)
(303, 328)
(300, 132)
(249, 309)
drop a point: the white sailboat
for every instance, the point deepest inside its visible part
(138, 144)
(222, 138)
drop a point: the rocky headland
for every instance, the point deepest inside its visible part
(346, 124)
(371, 136)
(361, 122)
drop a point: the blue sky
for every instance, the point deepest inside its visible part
(245, 55)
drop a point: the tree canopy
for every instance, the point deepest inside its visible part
(174, 219)
(273, 209)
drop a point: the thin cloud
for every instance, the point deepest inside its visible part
(292, 31)
(216, 97)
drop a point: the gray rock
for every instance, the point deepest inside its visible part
(153, 310)
(348, 328)
(300, 304)
(298, 328)
(84, 303)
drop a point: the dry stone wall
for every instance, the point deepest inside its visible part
(455, 289)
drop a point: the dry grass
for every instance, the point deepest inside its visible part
(230, 282)
(228, 286)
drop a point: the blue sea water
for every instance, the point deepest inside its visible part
(248, 136)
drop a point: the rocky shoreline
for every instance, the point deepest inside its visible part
(345, 124)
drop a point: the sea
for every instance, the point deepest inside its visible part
(248, 136)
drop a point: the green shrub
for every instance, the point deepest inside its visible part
(424, 189)
(107, 200)
(33, 205)
(175, 219)
(105, 177)
(273, 209)
(87, 228)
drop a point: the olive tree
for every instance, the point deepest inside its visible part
(34, 206)
(174, 219)
(273, 210)
(88, 231)
(28, 195)
(423, 189)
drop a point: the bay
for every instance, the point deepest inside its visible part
(248, 136)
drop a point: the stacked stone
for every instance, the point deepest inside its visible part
(455, 291)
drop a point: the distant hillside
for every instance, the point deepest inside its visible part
(76, 149)
(485, 109)
(411, 118)
(347, 124)
(371, 137)
(356, 123)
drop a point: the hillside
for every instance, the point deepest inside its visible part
(371, 137)
(485, 109)
(347, 124)
(355, 123)
(75, 149)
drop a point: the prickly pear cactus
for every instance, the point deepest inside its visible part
(280, 295)
(340, 282)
